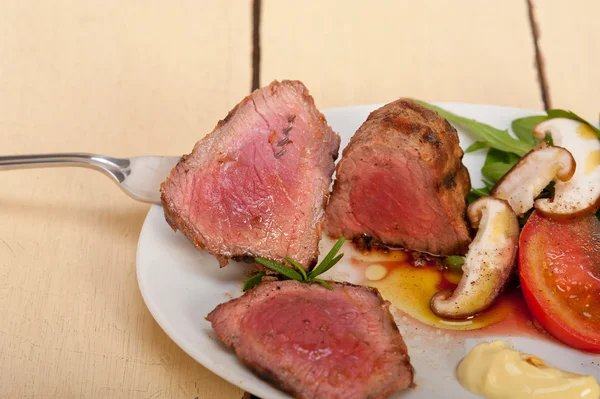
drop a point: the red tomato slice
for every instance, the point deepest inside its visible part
(559, 268)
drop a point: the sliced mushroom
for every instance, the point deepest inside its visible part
(489, 261)
(580, 195)
(526, 180)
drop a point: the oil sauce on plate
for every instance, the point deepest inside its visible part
(409, 288)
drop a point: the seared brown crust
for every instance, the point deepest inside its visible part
(407, 126)
(437, 143)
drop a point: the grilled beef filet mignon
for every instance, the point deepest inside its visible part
(317, 343)
(401, 182)
(258, 184)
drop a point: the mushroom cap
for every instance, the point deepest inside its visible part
(526, 180)
(580, 195)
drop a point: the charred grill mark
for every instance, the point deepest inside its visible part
(418, 109)
(403, 124)
(414, 128)
(431, 137)
(268, 376)
(449, 127)
(291, 118)
(449, 181)
(287, 130)
(280, 154)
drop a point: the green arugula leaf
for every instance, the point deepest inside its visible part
(454, 262)
(324, 265)
(279, 268)
(481, 192)
(477, 193)
(496, 138)
(253, 281)
(523, 128)
(488, 184)
(297, 266)
(561, 113)
(497, 163)
(478, 145)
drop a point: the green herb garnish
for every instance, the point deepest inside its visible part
(523, 128)
(454, 262)
(477, 193)
(287, 273)
(253, 281)
(284, 270)
(478, 145)
(497, 163)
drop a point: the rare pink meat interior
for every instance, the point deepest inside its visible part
(401, 182)
(317, 343)
(258, 184)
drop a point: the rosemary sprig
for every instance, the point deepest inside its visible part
(279, 268)
(329, 260)
(253, 281)
(287, 273)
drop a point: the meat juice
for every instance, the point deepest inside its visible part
(409, 288)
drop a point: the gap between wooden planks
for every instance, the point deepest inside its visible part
(568, 42)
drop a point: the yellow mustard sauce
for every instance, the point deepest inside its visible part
(586, 132)
(496, 372)
(592, 162)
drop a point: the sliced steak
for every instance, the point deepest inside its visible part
(317, 343)
(401, 181)
(258, 184)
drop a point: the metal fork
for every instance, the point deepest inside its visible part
(139, 177)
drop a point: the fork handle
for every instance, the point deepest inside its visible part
(59, 159)
(108, 165)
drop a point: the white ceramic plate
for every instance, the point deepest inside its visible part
(181, 285)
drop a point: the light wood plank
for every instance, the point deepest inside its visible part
(355, 52)
(119, 78)
(569, 43)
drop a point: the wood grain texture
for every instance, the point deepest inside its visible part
(123, 79)
(356, 52)
(569, 43)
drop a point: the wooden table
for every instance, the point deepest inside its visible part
(139, 77)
